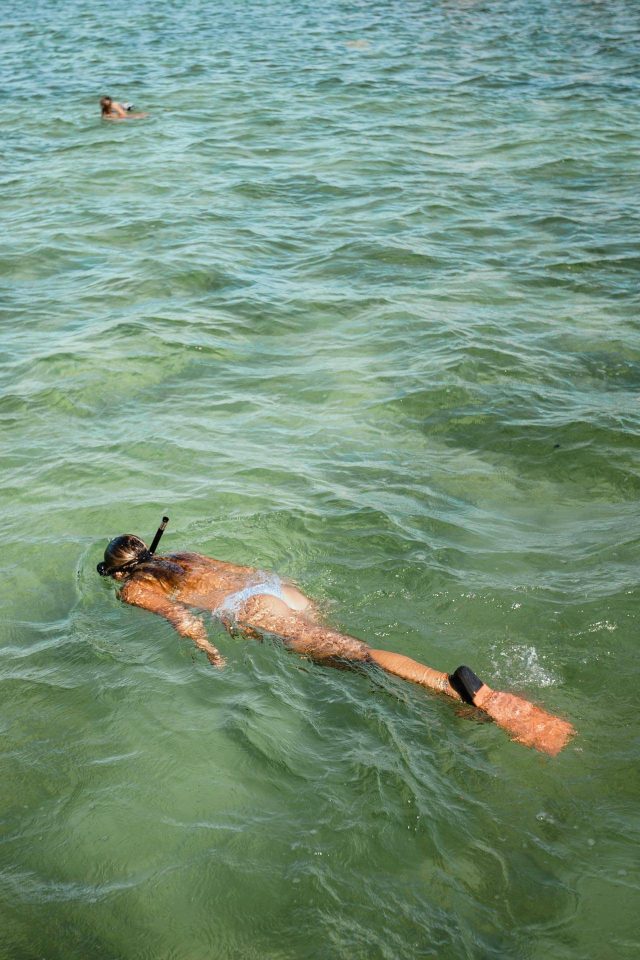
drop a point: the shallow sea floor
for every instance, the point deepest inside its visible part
(357, 303)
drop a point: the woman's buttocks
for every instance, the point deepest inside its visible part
(260, 584)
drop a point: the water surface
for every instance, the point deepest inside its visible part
(357, 303)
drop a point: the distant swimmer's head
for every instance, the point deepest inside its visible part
(122, 555)
(105, 105)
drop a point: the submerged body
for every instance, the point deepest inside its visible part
(244, 598)
(179, 586)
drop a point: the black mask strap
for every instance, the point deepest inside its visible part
(105, 571)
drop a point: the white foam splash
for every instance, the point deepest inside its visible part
(520, 664)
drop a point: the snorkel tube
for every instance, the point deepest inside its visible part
(129, 549)
(158, 536)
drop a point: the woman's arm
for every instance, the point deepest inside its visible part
(152, 598)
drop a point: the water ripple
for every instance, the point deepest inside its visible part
(357, 303)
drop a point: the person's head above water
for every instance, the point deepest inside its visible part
(105, 105)
(122, 554)
(125, 552)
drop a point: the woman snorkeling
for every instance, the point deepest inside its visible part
(255, 603)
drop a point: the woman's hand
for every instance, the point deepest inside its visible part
(215, 658)
(191, 627)
(152, 597)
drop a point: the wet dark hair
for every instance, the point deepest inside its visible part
(105, 105)
(162, 570)
(123, 553)
(127, 551)
(128, 554)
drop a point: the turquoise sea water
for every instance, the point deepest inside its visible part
(357, 303)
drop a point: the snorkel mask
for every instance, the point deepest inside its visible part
(127, 551)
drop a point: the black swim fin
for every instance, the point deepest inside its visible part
(466, 683)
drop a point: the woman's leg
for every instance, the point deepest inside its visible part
(524, 721)
(299, 631)
(303, 634)
(415, 672)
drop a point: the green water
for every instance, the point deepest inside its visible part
(357, 303)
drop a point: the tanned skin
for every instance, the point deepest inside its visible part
(196, 582)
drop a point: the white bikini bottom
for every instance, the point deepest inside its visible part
(268, 583)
